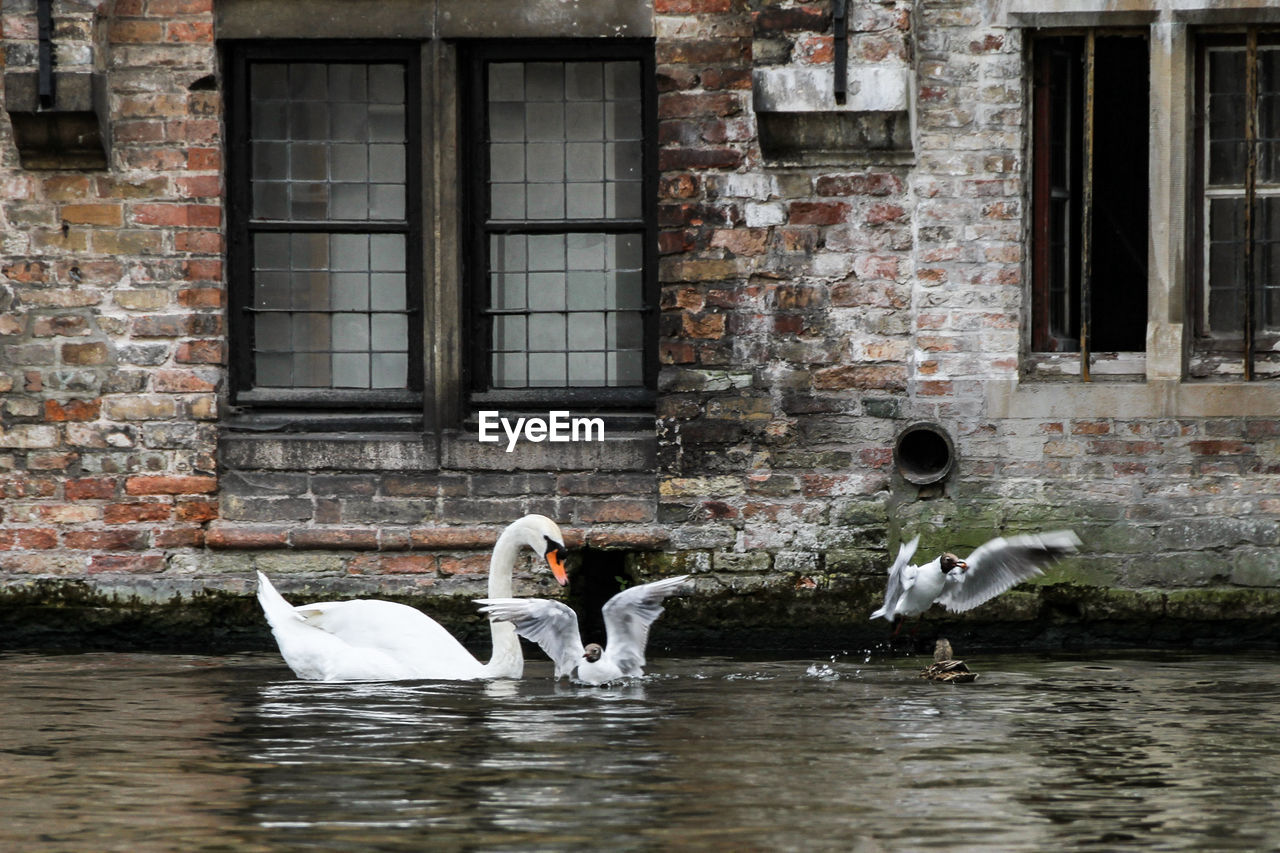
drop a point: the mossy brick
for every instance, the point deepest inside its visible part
(756, 561)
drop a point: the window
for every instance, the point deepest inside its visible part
(1237, 256)
(561, 242)
(1089, 194)
(329, 211)
(324, 283)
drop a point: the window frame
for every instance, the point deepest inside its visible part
(477, 227)
(237, 56)
(1250, 340)
(1045, 343)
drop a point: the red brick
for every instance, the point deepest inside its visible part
(170, 485)
(881, 377)
(105, 540)
(816, 50)
(873, 184)
(474, 564)
(811, 18)
(195, 509)
(615, 511)
(137, 32)
(200, 352)
(200, 186)
(27, 272)
(182, 382)
(72, 410)
(189, 32)
(1220, 447)
(172, 8)
(201, 297)
(884, 212)
(198, 242)
(703, 326)
(135, 512)
(196, 215)
(238, 538)
(204, 159)
(90, 488)
(686, 105)
(29, 538)
(202, 270)
(180, 537)
(715, 52)
(130, 563)
(347, 538)
(817, 213)
(453, 537)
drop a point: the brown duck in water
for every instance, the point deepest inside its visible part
(944, 668)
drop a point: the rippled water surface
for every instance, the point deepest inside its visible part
(171, 752)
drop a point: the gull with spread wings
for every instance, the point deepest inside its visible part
(554, 626)
(960, 585)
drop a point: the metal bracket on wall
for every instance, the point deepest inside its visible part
(840, 58)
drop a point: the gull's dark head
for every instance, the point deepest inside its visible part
(592, 652)
(950, 561)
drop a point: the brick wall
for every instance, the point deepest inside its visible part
(112, 293)
(809, 310)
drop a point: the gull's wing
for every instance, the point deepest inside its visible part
(899, 580)
(1001, 563)
(550, 624)
(627, 617)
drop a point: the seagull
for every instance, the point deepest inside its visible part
(554, 626)
(960, 585)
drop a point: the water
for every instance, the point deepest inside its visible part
(132, 752)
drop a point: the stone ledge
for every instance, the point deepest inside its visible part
(1131, 400)
(228, 536)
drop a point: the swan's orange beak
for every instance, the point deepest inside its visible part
(555, 559)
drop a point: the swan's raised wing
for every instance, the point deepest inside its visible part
(550, 624)
(999, 564)
(627, 617)
(902, 576)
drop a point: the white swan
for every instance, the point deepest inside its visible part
(372, 640)
(554, 626)
(961, 585)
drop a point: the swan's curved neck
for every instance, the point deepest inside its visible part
(507, 660)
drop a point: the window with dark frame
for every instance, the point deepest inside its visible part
(560, 226)
(325, 285)
(1236, 253)
(1089, 194)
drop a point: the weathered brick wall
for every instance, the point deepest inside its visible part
(810, 309)
(787, 306)
(111, 338)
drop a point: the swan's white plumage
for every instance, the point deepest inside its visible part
(373, 640)
(554, 627)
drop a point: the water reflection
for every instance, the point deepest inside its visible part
(106, 752)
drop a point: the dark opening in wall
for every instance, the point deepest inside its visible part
(924, 453)
(596, 577)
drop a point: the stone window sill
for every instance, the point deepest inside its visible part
(451, 450)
